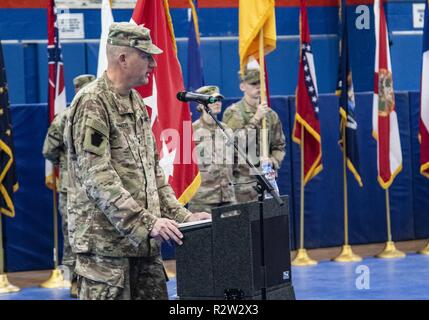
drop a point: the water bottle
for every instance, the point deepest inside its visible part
(270, 174)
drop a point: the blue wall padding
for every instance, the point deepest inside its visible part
(29, 236)
(92, 58)
(75, 55)
(15, 72)
(220, 56)
(420, 183)
(26, 64)
(324, 194)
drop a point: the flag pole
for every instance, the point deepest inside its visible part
(56, 280)
(302, 259)
(390, 250)
(346, 254)
(425, 250)
(264, 143)
(5, 286)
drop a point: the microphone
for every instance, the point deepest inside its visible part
(196, 97)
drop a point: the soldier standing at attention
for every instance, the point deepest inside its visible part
(54, 150)
(117, 187)
(245, 118)
(215, 159)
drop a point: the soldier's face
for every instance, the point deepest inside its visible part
(140, 66)
(251, 90)
(215, 107)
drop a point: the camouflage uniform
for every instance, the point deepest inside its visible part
(117, 187)
(80, 81)
(239, 117)
(216, 169)
(215, 161)
(54, 151)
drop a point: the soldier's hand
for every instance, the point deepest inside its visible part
(261, 111)
(166, 229)
(264, 160)
(199, 216)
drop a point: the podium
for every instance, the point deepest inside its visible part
(222, 259)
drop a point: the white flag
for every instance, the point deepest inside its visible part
(106, 21)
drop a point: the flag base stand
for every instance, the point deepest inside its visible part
(425, 250)
(302, 259)
(390, 252)
(347, 255)
(5, 286)
(56, 281)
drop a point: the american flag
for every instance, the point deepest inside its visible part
(56, 89)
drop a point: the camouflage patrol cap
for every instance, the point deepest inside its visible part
(81, 81)
(250, 76)
(130, 35)
(210, 90)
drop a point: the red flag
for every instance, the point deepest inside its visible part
(170, 118)
(307, 110)
(56, 89)
(424, 104)
(384, 117)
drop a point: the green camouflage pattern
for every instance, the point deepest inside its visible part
(54, 150)
(250, 76)
(107, 278)
(239, 117)
(216, 168)
(131, 35)
(116, 185)
(81, 81)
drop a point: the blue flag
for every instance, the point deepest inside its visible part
(195, 63)
(8, 180)
(348, 124)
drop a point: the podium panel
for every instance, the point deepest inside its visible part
(222, 260)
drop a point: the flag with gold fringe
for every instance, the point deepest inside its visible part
(195, 63)
(384, 117)
(170, 119)
(307, 125)
(424, 104)
(56, 87)
(348, 123)
(254, 16)
(8, 179)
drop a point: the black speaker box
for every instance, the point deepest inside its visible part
(222, 260)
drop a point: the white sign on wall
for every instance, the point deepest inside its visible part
(418, 15)
(70, 26)
(95, 4)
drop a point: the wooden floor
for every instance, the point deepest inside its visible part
(35, 278)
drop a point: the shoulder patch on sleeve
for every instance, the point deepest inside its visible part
(96, 137)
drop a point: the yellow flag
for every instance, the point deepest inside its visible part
(254, 16)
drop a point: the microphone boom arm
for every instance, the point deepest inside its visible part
(263, 183)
